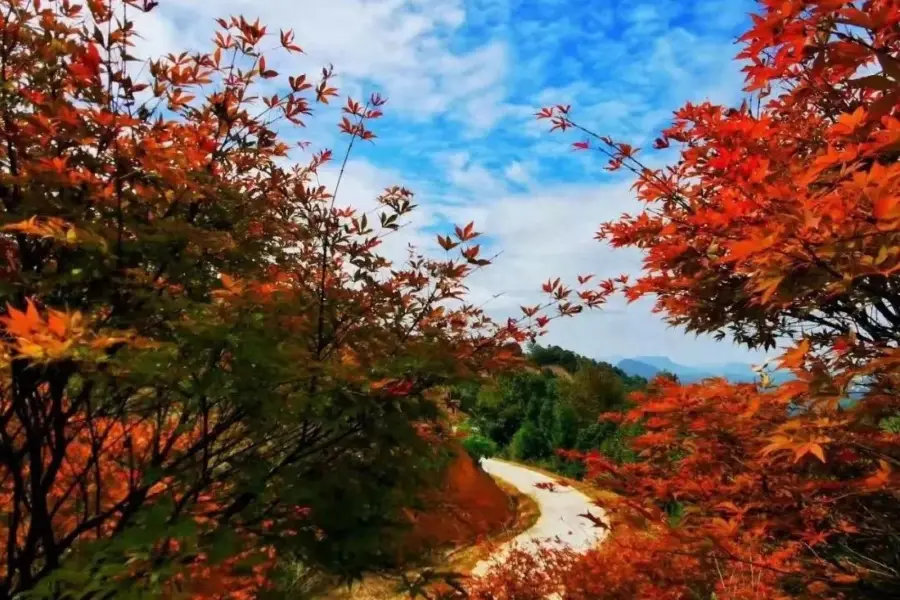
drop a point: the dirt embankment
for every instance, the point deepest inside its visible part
(468, 506)
(464, 520)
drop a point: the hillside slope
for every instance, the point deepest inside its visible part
(469, 505)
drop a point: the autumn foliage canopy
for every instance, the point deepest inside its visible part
(206, 367)
(777, 222)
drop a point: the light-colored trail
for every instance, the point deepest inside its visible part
(559, 524)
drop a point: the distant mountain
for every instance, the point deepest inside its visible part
(684, 373)
(649, 366)
(636, 368)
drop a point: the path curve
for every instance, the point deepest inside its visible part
(559, 524)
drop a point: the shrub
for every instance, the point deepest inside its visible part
(479, 446)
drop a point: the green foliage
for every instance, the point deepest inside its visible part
(529, 443)
(546, 356)
(593, 390)
(531, 414)
(357, 510)
(592, 436)
(616, 446)
(465, 395)
(503, 406)
(564, 426)
(675, 512)
(890, 424)
(480, 447)
(477, 445)
(568, 468)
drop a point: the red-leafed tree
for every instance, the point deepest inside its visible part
(205, 362)
(779, 220)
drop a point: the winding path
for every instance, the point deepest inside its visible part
(559, 524)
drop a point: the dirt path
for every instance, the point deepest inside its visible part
(559, 523)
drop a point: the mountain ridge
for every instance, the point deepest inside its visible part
(650, 366)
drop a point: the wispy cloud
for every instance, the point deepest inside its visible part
(405, 48)
(464, 78)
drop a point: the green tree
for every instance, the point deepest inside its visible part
(565, 428)
(504, 405)
(547, 356)
(572, 362)
(479, 446)
(592, 391)
(592, 436)
(534, 414)
(529, 443)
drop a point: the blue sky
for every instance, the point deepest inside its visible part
(464, 78)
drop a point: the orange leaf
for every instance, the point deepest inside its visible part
(809, 448)
(794, 358)
(880, 477)
(886, 208)
(777, 443)
(752, 408)
(848, 122)
(380, 384)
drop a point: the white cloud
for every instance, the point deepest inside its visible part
(400, 46)
(470, 177)
(518, 173)
(539, 234)
(360, 188)
(424, 56)
(550, 235)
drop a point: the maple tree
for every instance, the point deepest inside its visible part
(776, 223)
(205, 363)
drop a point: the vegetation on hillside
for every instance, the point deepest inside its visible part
(551, 405)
